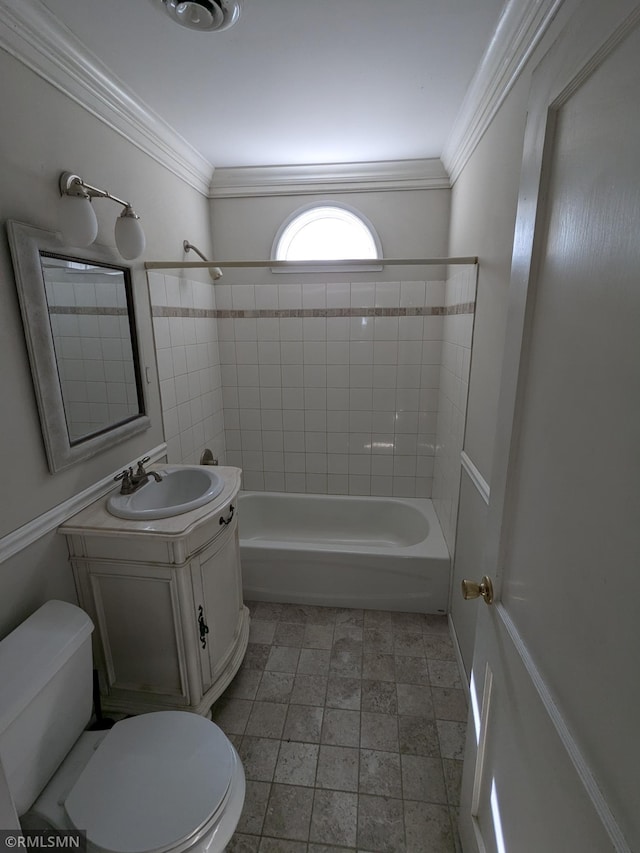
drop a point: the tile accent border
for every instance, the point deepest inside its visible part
(240, 313)
(93, 310)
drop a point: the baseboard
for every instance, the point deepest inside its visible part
(464, 678)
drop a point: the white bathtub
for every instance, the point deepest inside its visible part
(379, 553)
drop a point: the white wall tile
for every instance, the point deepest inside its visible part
(360, 421)
(293, 419)
(314, 351)
(274, 482)
(295, 482)
(223, 297)
(248, 397)
(266, 297)
(412, 294)
(361, 375)
(270, 376)
(293, 397)
(359, 485)
(316, 420)
(243, 297)
(363, 294)
(349, 394)
(273, 460)
(387, 294)
(315, 398)
(248, 375)
(268, 328)
(314, 295)
(269, 352)
(247, 351)
(272, 419)
(290, 296)
(338, 294)
(338, 328)
(361, 352)
(291, 329)
(246, 329)
(385, 352)
(361, 328)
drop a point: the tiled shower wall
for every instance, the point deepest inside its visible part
(188, 360)
(332, 387)
(457, 334)
(337, 387)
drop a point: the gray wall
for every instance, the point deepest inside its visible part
(483, 214)
(44, 133)
(410, 223)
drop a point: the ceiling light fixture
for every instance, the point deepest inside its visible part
(204, 15)
(78, 223)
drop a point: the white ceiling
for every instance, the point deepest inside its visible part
(295, 81)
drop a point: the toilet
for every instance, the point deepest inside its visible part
(164, 782)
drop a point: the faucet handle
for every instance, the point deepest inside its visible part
(141, 462)
(125, 476)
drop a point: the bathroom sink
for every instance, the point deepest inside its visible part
(181, 489)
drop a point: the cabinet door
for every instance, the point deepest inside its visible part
(217, 587)
(140, 630)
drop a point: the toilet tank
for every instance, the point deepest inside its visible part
(46, 677)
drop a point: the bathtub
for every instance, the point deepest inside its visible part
(346, 551)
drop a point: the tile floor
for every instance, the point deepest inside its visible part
(350, 725)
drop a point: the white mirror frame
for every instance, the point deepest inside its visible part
(26, 242)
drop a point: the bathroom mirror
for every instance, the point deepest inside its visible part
(79, 324)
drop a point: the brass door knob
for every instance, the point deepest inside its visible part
(470, 589)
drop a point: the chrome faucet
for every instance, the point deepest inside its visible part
(132, 482)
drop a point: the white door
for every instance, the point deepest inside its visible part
(553, 743)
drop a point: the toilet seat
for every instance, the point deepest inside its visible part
(157, 782)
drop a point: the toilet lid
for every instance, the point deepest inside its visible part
(154, 780)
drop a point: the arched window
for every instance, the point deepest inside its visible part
(326, 232)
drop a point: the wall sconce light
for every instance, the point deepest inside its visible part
(78, 223)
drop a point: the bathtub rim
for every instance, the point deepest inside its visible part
(433, 546)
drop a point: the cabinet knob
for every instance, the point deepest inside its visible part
(204, 628)
(229, 517)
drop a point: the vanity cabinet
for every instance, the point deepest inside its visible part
(165, 597)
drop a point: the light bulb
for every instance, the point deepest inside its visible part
(77, 221)
(129, 235)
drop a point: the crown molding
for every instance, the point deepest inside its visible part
(521, 26)
(311, 179)
(34, 36)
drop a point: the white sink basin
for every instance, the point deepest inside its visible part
(181, 489)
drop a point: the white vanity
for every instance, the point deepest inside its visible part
(165, 595)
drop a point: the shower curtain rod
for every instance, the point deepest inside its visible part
(314, 266)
